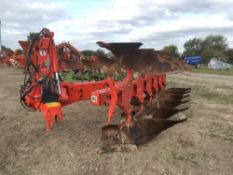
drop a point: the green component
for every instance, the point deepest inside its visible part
(90, 75)
(68, 76)
(87, 76)
(83, 76)
(120, 77)
(98, 75)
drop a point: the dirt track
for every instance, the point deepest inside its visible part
(202, 145)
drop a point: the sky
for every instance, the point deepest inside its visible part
(155, 23)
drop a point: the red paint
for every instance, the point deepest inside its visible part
(106, 92)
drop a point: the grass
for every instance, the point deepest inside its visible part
(172, 83)
(212, 96)
(225, 133)
(204, 69)
(187, 158)
(205, 93)
(188, 113)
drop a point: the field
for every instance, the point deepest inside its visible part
(204, 69)
(202, 145)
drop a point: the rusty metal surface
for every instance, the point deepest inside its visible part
(144, 60)
(159, 116)
(109, 66)
(120, 48)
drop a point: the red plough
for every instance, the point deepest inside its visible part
(42, 89)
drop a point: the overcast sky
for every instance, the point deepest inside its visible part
(156, 23)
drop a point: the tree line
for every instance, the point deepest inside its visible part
(209, 47)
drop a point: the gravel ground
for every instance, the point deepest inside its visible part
(202, 145)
